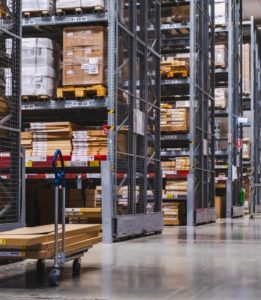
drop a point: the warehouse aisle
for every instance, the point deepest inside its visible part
(220, 261)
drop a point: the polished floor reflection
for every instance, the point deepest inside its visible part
(219, 261)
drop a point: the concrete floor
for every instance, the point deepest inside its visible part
(219, 261)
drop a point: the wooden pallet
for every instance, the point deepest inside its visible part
(79, 10)
(40, 13)
(175, 74)
(81, 92)
(31, 98)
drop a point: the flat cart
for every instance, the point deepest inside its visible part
(59, 242)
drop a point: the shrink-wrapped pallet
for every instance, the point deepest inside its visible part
(37, 5)
(246, 68)
(68, 4)
(38, 72)
(221, 96)
(220, 13)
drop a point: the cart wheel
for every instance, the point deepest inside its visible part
(40, 266)
(53, 278)
(76, 266)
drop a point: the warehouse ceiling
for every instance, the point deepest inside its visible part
(252, 8)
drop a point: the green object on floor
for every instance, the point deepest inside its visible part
(242, 197)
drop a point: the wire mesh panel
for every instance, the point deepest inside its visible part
(134, 115)
(201, 179)
(234, 182)
(10, 33)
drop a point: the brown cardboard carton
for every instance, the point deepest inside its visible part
(220, 206)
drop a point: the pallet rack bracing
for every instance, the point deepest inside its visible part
(11, 194)
(133, 172)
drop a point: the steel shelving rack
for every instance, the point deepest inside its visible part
(131, 108)
(197, 38)
(252, 105)
(235, 110)
(11, 173)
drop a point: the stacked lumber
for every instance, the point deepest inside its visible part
(173, 67)
(88, 143)
(26, 142)
(174, 119)
(174, 213)
(47, 137)
(38, 242)
(176, 188)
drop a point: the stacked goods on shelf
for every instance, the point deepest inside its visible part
(47, 137)
(35, 6)
(83, 4)
(246, 149)
(221, 97)
(174, 119)
(177, 14)
(220, 206)
(83, 55)
(174, 68)
(220, 56)
(174, 213)
(246, 69)
(88, 143)
(221, 12)
(176, 188)
(38, 72)
(26, 142)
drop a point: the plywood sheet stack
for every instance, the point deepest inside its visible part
(88, 143)
(174, 119)
(38, 72)
(246, 69)
(38, 242)
(176, 187)
(174, 213)
(83, 55)
(47, 137)
(26, 142)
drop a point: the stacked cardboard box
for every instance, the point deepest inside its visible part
(174, 119)
(83, 55)
(47, 137)
(38, 72)
(246, 69)
(26, 142)
(220, 12)
(66, 4)
(220, 56)
(88, 143)
(37, 6)
(177, 14)
(221, 97)
(174, 213)
(182, 163)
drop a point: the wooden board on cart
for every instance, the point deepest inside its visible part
(31, 236)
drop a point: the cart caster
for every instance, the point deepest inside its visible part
(76, 266)
(54, 276)
(40, 266)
